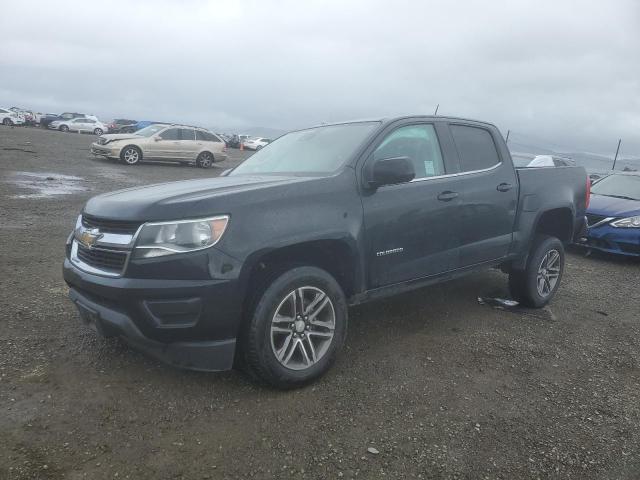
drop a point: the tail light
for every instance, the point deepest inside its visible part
(588, 198)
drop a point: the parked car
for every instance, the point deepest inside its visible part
(117, 125)
(139, 126)
(88, 124)
(259, 266)
(163, 142)
(10, 118)
(255, 143)
(522, 160)
(613, 215)
(46, 121)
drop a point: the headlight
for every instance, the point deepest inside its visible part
(166, 238)
(629, 222)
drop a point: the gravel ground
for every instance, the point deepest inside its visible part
(430, 384)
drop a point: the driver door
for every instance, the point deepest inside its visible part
(410, 230)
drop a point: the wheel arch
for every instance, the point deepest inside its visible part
(334, 256)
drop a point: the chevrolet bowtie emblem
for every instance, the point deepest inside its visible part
(88, 237)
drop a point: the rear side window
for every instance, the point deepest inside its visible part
(170, 134)
(187, 134)
(206, 136)
(475, 146)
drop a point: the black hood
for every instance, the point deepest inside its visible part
(184, 199)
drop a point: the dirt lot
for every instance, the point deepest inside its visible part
(441, 386)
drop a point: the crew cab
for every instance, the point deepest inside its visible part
(257, 268)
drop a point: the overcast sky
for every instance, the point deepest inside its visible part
(566, 72)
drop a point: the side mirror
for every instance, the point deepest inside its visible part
(157, 139)
(390, 171)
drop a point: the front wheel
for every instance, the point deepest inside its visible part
(64, 128)
(98, 131)
(205, 160)
(131, 155)
(537, 284)
(7, 122)
(297, 328)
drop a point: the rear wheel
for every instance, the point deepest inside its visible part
(205, 160)
(537, 284)
(296, 329)
(131, 155)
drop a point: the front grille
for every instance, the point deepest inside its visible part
(111, 226)
(112, 260)
(592, 218)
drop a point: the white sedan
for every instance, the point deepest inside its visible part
(9, 118)
(255, 143)
(89, 124)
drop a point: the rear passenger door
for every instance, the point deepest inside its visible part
(488, 189)
(209, 142)
(188, 146)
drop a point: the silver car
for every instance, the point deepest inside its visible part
(180, 143)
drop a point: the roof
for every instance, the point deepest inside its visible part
(405, 117)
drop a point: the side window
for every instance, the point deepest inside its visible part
(187, 134)
(475, 146)
(206, 136)
(89, 120)
(419, 143)
(170, 134)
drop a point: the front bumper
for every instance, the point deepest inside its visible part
(105, 150)
(621, 241)
(190, 324)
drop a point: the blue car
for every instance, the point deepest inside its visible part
(613, 216)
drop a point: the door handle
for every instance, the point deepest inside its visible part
(447, 196)
(504, 187)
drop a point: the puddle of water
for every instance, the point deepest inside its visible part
(45, 185)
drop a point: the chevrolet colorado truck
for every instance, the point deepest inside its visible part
(257, 268)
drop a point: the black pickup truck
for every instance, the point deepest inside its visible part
(257, 268)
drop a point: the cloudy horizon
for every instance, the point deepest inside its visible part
(565, 72)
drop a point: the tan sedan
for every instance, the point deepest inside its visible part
(178, 143)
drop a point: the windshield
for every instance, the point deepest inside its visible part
(317, 150)
(621, 186)
(150, 130)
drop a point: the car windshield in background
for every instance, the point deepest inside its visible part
(317, 150)
(150, 130)
(619, 186)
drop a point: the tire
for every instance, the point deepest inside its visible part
(258, 147)
(98, 131)
(291, 351)
(537, 284)
(205, 160)
(131, 155)
(7, 122)
(64, 128)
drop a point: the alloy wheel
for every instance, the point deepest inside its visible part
(131, 156)
(302, 328)
(548, 273)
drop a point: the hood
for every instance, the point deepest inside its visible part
(185, 199)
(613, 207)
(121, 136)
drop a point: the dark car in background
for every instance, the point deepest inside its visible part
(613, 216)
(46, 120)
(134, 127)
(118, 124)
